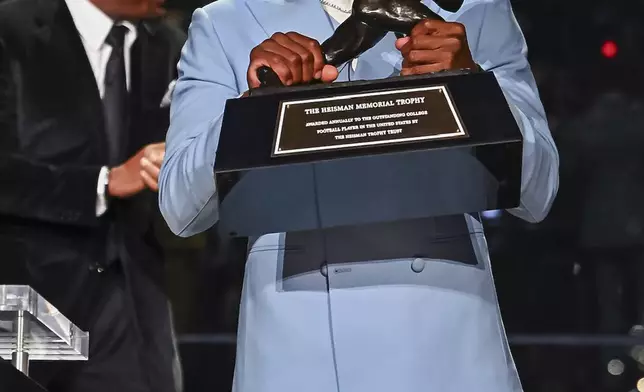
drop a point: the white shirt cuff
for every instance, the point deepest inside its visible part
(101, 189)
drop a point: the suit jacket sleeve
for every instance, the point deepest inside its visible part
(35, 190)
(187, 192)
(501, 48)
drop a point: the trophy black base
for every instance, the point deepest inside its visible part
(305, 158)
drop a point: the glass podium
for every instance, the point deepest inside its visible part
(32, 329)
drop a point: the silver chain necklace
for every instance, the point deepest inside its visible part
(337, 7)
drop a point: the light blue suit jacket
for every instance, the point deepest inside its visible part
(374, 326)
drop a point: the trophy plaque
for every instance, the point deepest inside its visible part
(32, 329)
(362, 152)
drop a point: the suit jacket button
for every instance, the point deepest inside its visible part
(418, 265)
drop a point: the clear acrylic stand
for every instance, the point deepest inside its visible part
(32, 329)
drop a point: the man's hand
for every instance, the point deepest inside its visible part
(131, 9)
(294, 58)
(434, 46)
(151, 165)
(137, 172)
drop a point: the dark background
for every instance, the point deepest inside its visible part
(570, 288)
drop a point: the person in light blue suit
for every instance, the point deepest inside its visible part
(408, 324)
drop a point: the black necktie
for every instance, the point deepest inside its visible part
(115, 98)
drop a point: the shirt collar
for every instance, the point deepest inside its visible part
(339, 4)
(92, 24)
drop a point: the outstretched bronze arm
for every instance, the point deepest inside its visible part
(369, 22)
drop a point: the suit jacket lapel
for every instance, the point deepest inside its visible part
(152, 69)
(58, 44)
(306, 17)
(150, 73)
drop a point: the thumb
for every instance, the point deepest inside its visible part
(156, 155)
(400, 42)
(329, 74)
(253, 80)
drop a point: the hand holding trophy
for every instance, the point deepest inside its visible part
(368, 24)
(289, 59)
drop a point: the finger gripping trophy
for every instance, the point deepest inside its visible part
(369, 22)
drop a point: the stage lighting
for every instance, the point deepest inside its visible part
(609, 49)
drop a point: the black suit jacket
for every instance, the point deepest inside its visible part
(52, 146)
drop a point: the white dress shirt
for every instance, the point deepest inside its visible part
(93, 27)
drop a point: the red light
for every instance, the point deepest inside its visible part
(609, 49)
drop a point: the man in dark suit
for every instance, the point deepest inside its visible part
(81, 121)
